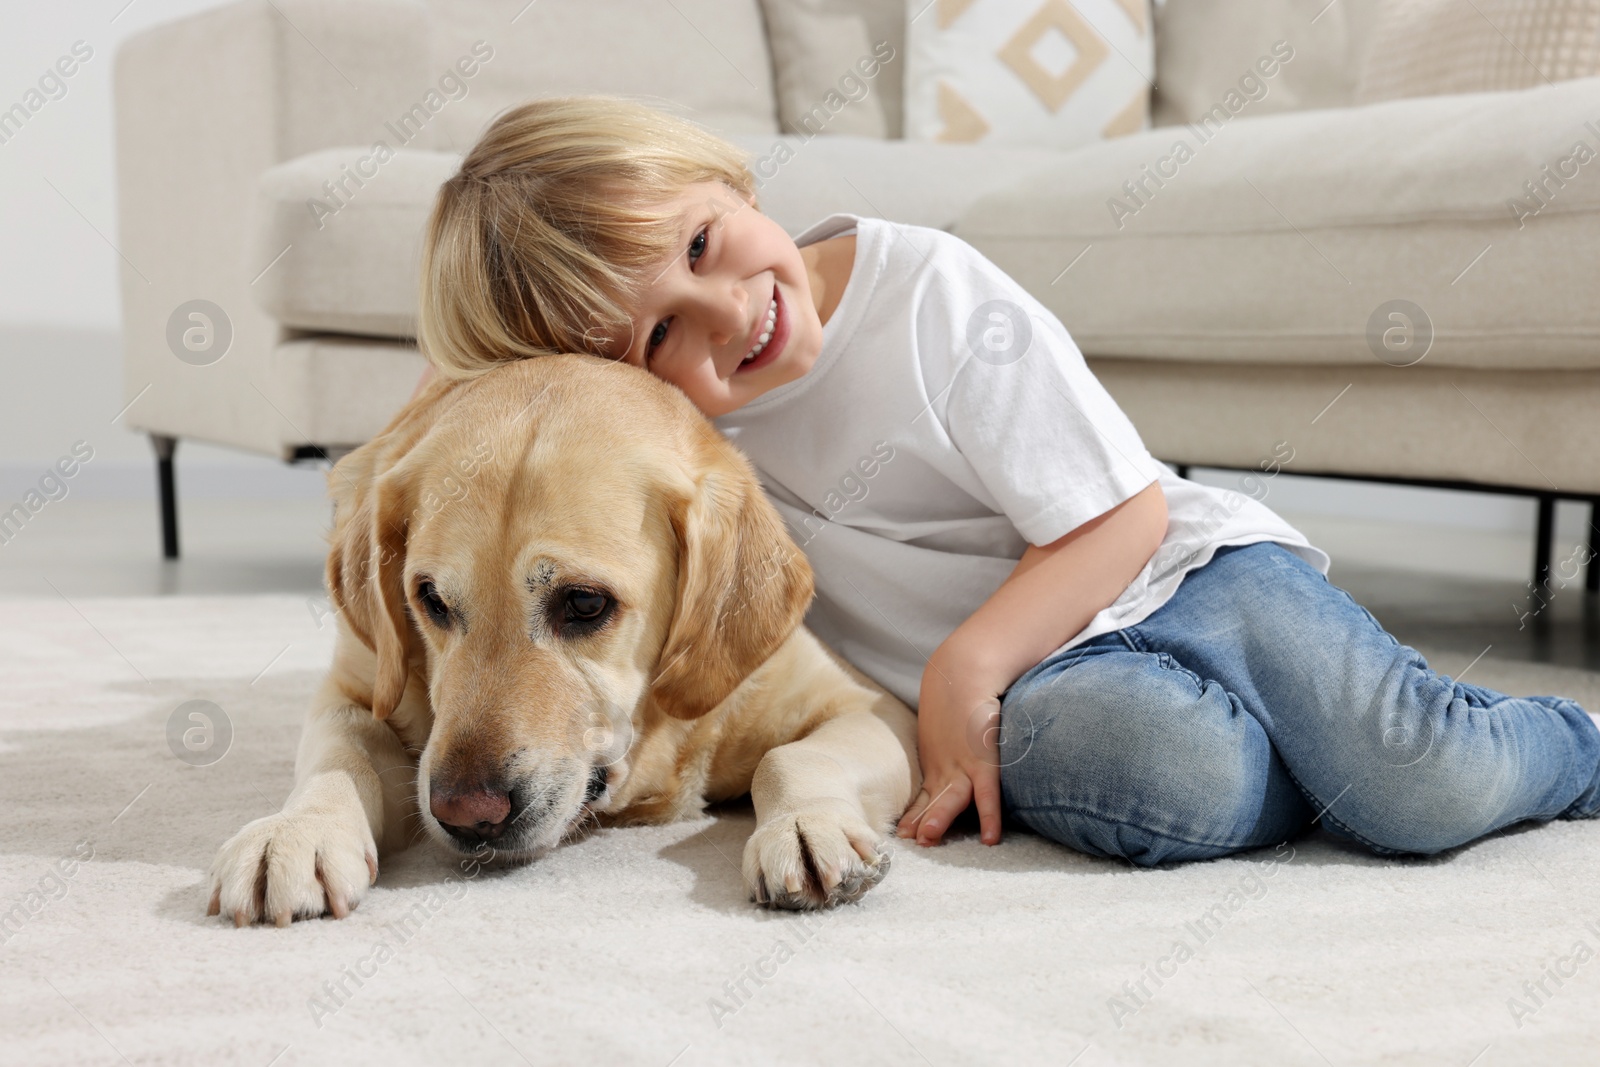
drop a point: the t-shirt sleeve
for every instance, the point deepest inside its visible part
(1042, 434)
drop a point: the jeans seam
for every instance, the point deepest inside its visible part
(1562, 814)
(1070, 810)
(1165, 661)
(1371, 618)
(1334, 820)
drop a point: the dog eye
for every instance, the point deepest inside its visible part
(437, 610)
(585, 606)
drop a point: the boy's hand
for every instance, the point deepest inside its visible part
(1053, 592)
(957, 741)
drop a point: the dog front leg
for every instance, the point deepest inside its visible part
(354, 786)
(825, 805)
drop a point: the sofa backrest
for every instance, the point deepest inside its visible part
(1203, 49)
(705, 59)
(641, 48)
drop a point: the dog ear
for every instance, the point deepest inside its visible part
(365, 574)
(743, 587)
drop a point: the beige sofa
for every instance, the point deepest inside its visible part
(1230, 300)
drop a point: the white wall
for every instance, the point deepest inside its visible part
(57, 269)
(60, 311)
(60, 364)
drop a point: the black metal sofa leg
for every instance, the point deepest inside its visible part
(1591, 577)
(1543, 531)
(165, 447)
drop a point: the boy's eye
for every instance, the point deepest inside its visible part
(697, 248)
(657, 335)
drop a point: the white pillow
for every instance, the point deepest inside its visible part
(1038, 73)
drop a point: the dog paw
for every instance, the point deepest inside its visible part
(293, 866)
(816, 857)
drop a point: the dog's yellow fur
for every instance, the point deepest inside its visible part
(508, 493)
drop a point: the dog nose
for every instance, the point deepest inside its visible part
(472, 813)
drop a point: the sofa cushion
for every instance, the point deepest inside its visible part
(339, 390)
(355, 270)
(1286, 238)
(800, 182)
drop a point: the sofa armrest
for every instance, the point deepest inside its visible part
(202, 106)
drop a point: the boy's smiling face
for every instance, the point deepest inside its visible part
(737, 278)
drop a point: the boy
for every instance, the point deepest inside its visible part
(1175, 676)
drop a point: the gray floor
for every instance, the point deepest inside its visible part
(1459, 590)
(113, 548)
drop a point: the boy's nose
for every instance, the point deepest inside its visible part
(730, 318)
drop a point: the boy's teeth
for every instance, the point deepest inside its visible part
(766, 334)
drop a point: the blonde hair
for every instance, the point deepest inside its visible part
(555, 225)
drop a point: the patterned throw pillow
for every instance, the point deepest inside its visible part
(1424, 47)
(1036, 73)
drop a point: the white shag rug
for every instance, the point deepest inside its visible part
(638, 946)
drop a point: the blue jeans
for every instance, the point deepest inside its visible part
(1261, 699)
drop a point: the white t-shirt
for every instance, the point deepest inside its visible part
(948, 422)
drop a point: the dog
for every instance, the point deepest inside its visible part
(563, 600)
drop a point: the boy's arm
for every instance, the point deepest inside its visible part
(1052, 594)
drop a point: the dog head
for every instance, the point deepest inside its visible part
(561, 549)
